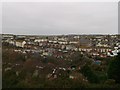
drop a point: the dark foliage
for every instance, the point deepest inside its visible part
(114, 69)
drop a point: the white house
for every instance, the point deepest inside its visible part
(114, 52)
(20, 43)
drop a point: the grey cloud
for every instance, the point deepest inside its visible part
(60, 18)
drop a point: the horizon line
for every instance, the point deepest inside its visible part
(56, 34)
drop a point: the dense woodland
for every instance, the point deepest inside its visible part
(89, 75)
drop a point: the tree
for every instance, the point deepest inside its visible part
(114, 69)
(91, 76)
(9, 79)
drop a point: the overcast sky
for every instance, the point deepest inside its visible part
(43, 18)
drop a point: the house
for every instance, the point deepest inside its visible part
(63, 42)
(7, 36)
(76, 75)
(69, 47)
(11, 42)
(113, 53)
(46, 53)
(20, 43)
(35, 74)
(85, 42)
(8, 68)
(71, 77)
(73, 42)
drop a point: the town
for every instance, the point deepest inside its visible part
(52, 58)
